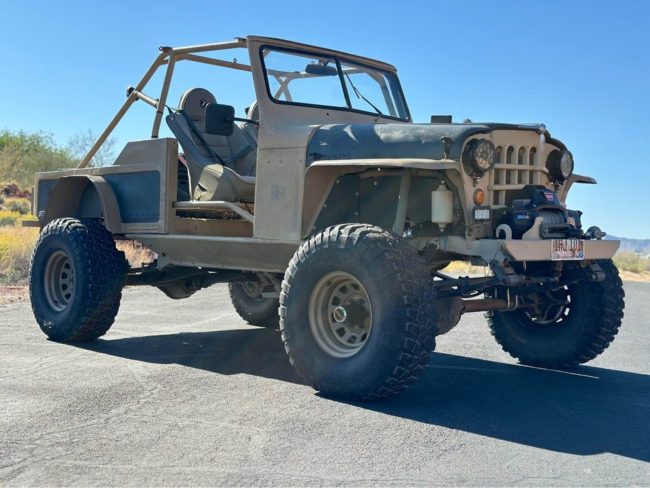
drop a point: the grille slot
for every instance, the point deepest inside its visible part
(516, 167)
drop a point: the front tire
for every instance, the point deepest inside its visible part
(352, 313)
(579, 322)
(76, 280)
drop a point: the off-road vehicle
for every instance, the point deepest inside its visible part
(330, 214)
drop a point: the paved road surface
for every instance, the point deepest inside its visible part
(184, 393)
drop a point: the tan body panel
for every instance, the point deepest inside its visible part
(139, 157)
(219, 252)
(283, 137)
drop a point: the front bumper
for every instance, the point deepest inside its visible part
(520, 249)
(523, 250)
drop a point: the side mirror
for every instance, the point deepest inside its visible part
(219, 119)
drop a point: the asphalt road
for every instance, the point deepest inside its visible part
(184, 393)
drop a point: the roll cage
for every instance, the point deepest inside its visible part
(169, 56)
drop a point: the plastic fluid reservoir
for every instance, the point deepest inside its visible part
(442, 206)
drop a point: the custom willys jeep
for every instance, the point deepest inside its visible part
(331, 215)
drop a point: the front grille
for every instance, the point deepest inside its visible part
(517, 166)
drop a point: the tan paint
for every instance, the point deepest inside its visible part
(219, 252)
(289, 195)
(65, 200)
(159, 155)
(541, 250)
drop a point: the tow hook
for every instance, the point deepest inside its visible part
(594, 232)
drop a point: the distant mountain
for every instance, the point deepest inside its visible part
(637, 246)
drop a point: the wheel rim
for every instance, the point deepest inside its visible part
(252, 289)
(553, 308)
(340, 315)
(59, 281)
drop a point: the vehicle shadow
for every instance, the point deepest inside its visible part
(254, 351)
(588, 411)
(584, 412)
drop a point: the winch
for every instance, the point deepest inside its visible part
(538, 202)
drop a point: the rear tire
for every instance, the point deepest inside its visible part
(570, 334)
(252, 307)
(353, 315)
(76, 280)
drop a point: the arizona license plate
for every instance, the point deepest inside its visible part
(567, 249)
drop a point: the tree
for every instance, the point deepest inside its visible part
(81, 143)
(23, 154)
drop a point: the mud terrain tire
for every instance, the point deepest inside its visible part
(581, 333)
(76, 280)
(377, 281)
(262, 312)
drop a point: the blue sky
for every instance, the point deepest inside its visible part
(581, 67)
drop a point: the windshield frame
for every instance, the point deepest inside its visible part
(337, 58)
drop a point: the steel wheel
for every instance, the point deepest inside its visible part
(340, 315)
(59, 281)
(553, 307)
(252, 289)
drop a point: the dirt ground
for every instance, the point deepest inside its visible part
(12, 294)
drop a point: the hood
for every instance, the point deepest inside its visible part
(375, 141)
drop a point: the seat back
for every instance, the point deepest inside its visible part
(234, 151)
(203, 149)
(250, 129)
(193, 103)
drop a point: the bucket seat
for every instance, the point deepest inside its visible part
(220, 167)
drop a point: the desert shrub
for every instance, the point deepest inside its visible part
(631, 262)
(16, 244)
(19, 205)
(463, 268)
(136, 254)
(9, 218)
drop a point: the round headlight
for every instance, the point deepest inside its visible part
(559, 165)
(479, 156)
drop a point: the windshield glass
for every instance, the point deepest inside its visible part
(321, 80)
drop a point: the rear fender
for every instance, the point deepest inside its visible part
(84, 196)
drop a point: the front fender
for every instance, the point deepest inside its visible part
(574, 178)
(322, 175)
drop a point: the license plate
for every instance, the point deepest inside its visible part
(567, 249)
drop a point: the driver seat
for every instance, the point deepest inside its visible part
(220, 167)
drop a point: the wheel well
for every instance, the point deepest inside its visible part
(83, 197)
(371, 195)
